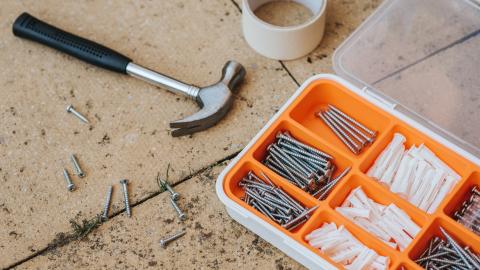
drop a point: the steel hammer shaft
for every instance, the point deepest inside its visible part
(162, 80)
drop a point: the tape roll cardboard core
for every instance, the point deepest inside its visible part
(279, 42)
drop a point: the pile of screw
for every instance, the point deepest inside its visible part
(173, 198)
(273, 202)
(73, 158)
(448, 254)
(78, 172)
(108, 199)
(469, 214)
(351, 132)
(304, 166)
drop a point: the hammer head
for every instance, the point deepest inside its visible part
(215, 101)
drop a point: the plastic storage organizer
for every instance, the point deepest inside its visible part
(364, 99)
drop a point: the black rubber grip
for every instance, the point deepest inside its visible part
(29, 27)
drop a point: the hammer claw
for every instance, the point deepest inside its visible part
(215, 101)
(187, 130)
(199, 121)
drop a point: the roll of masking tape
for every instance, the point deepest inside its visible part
(283, 43)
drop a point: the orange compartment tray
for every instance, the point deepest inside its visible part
(298, 117)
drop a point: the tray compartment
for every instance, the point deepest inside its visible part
(455, 200)
(324, 92)
(236, 193)
(456, 231)
(259, 152)
(414, 137)
(328, 216)
(378, 194)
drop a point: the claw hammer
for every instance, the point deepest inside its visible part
(214, 100)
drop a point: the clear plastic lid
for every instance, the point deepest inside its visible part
(423, 57)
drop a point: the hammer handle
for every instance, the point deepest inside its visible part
(29, 27)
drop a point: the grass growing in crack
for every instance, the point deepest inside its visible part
(162, 185)
(81, 230)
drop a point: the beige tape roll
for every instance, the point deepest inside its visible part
(283, 43)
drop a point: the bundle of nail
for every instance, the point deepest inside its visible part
(351, 132)
(448, 254)
(343, 248)
(273, 202)
(416, 174)
(389, 223)
(469, 214)
(304, 166)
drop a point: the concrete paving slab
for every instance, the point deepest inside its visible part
(212, 241)
(128, 136)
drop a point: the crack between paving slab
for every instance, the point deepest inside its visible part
(235, 4)
(281, 62)
(139, 202)
(289, 73)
